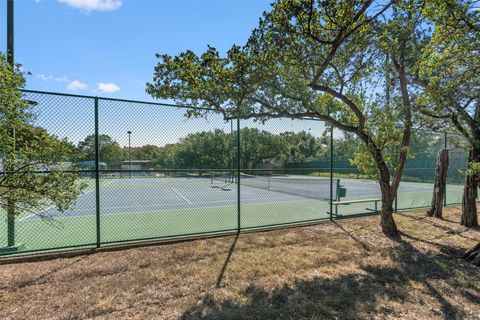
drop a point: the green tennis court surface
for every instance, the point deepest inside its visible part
(156, 207)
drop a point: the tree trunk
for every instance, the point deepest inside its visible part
(469, 201)
(436, 210)
(473, 255)
(387, 223)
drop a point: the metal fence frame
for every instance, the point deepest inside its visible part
(98, 171)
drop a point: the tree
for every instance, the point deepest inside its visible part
(146, 152)
(110, 151)
(26, 150)
(301, 146)
(448, 74)
(204, 150)
(345, 147)
(257, 146)
(216, 149)
(439, 185)
(315, 59)
(166, 157)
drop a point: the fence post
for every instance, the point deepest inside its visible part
(395, 201)
(331, 173)
(11, 62)
(10, 35)
(445, 191)
(97, 175)
(239, 226)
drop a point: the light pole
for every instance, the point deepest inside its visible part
(129, 158)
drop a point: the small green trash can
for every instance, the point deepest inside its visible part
(341, 192)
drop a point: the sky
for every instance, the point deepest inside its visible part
(107, 48)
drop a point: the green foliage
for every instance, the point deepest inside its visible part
(449, 68)
(257, 146)
(217, 149)
(204, 150)
(473, 168)
(26, 149)
(301, 146)
(207, 150)
(316, 59)
(110, 151)
(146, 152)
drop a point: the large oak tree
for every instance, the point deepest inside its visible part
(327, 60)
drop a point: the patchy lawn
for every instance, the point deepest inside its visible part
(346, 269)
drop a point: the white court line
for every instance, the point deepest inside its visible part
(35, 214)
(181, 195)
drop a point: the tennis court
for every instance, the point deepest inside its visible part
(156, 207)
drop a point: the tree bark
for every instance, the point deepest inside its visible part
(469, 202)
(387, 223)
(436, 210)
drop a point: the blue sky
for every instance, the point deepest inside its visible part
(107, 47)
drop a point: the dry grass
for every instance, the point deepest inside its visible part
(333, 270)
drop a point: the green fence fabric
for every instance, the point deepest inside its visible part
(151, 172)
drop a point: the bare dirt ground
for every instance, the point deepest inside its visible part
(343, 270)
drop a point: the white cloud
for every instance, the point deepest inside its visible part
(93, 5)
(76, 85)
(61, 79)
(108, 87)
(44, 77)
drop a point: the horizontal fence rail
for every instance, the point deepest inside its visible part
(147, 171)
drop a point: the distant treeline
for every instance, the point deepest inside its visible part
(262, 149)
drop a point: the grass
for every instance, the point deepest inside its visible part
(342, 270)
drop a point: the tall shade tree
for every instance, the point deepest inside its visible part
(204, 150)
(317, 59)
(449, 75)
(259, 145)
(24, 150)
(110, 150)
(301, 146)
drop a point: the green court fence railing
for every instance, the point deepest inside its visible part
(151, 172)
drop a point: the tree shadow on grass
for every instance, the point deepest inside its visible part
(360, 243)
(356, 295)
(447, 229)
(41, 278)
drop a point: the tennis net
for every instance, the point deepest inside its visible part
(221, 177)
(306, 187)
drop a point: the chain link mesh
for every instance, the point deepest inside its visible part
(163, 174)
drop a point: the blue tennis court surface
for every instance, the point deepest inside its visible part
(141, 195)
(164, 207)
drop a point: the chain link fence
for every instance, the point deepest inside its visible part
(149, 171)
